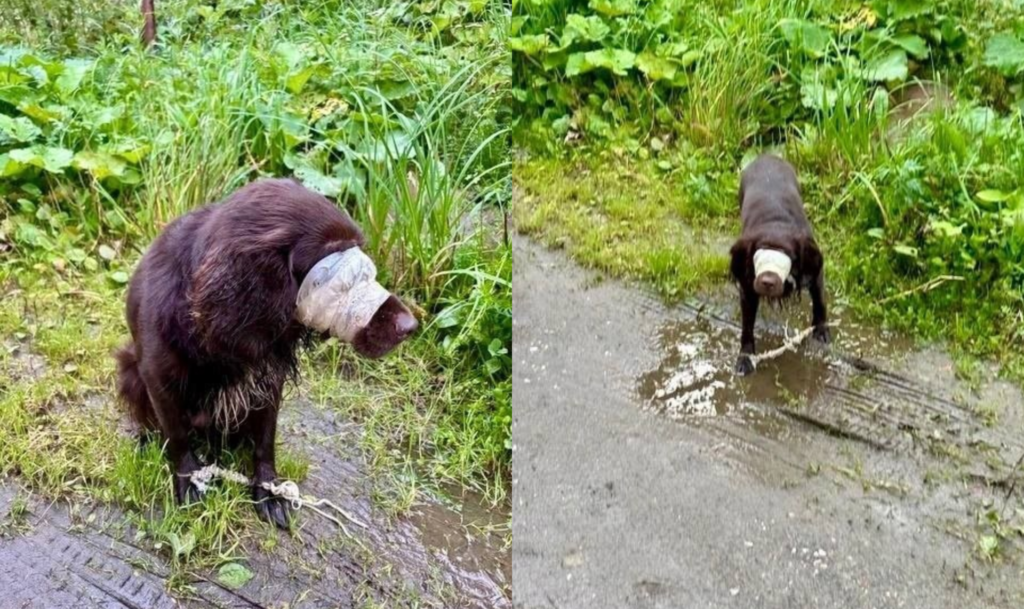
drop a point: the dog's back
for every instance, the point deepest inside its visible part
(770, 194)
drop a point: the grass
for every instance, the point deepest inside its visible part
(395, 111)
(624, 218)
(632, 162)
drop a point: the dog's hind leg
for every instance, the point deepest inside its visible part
(131, 391)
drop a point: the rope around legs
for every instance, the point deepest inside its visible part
(288, 490)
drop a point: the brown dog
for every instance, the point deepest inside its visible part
(212, 312)
(776, 255)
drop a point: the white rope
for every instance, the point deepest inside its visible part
(288, 490)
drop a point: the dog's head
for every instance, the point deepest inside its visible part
(774, 267)
(270, 244)
(340, 296)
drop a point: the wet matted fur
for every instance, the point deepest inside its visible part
(211, 309)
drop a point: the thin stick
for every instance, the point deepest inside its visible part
(1013, 479)
(790, 345)
(927, 286)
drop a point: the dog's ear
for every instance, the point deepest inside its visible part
(811, 260)
(742, 261)
(242, 298)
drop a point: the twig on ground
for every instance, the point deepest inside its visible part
(927, 286)
(791, 344)
(1012, 479)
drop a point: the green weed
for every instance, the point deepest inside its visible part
(393, 110)
(919, 211)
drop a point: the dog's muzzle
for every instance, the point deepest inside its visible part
(340, 294)
(768, 263)
(772, 261)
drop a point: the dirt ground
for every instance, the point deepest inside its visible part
(86, 557)
(645, 475)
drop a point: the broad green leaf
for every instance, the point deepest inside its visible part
(292, 54)
(1012, 217)
(613, 8)
(890, 66)
(328, 186)
(993, 196)
(14, 94)
(130, 150)
(353, 179)
(99, 164)
(880, 102)
(946, 229)
(689, 58)
(106, 115)
(19, 129)
(31, 235)
(297, 80)
(52, 159)
(979, 120)
(395, 145)
(1005, 53)
(656, 68)
(10, 167)
(13, 77)
(48, 114)
(76, 255)
(876, 233)
(808, 37)
(578, 27)
(901, 10)
(72, 75)
(619, 61)
(906, 250)
(913, 44)
(234, 575)
(397, 89)
(817, 96)
(121, 277)
(529, 45)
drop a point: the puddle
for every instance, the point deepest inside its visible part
(695, 377)
(470, 539)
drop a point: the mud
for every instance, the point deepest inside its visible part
(86, 555)
(646, 475)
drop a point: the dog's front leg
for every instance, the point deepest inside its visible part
(270, 507)
(818, 316)
(748, 303)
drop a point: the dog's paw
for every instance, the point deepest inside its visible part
(184, 491)
(271, 508)
(744, 365)
(822, 335)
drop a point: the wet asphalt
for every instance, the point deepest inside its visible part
(616, 505)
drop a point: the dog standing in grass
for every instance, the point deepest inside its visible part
(219, 306)
(776, 255)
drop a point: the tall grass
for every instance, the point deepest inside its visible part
(395, 117)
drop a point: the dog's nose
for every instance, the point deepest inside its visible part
(768, 284)
(405, 324)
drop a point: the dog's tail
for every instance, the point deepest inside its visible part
(132, 390)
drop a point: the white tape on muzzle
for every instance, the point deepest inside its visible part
(340, 294)
(772, 261)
